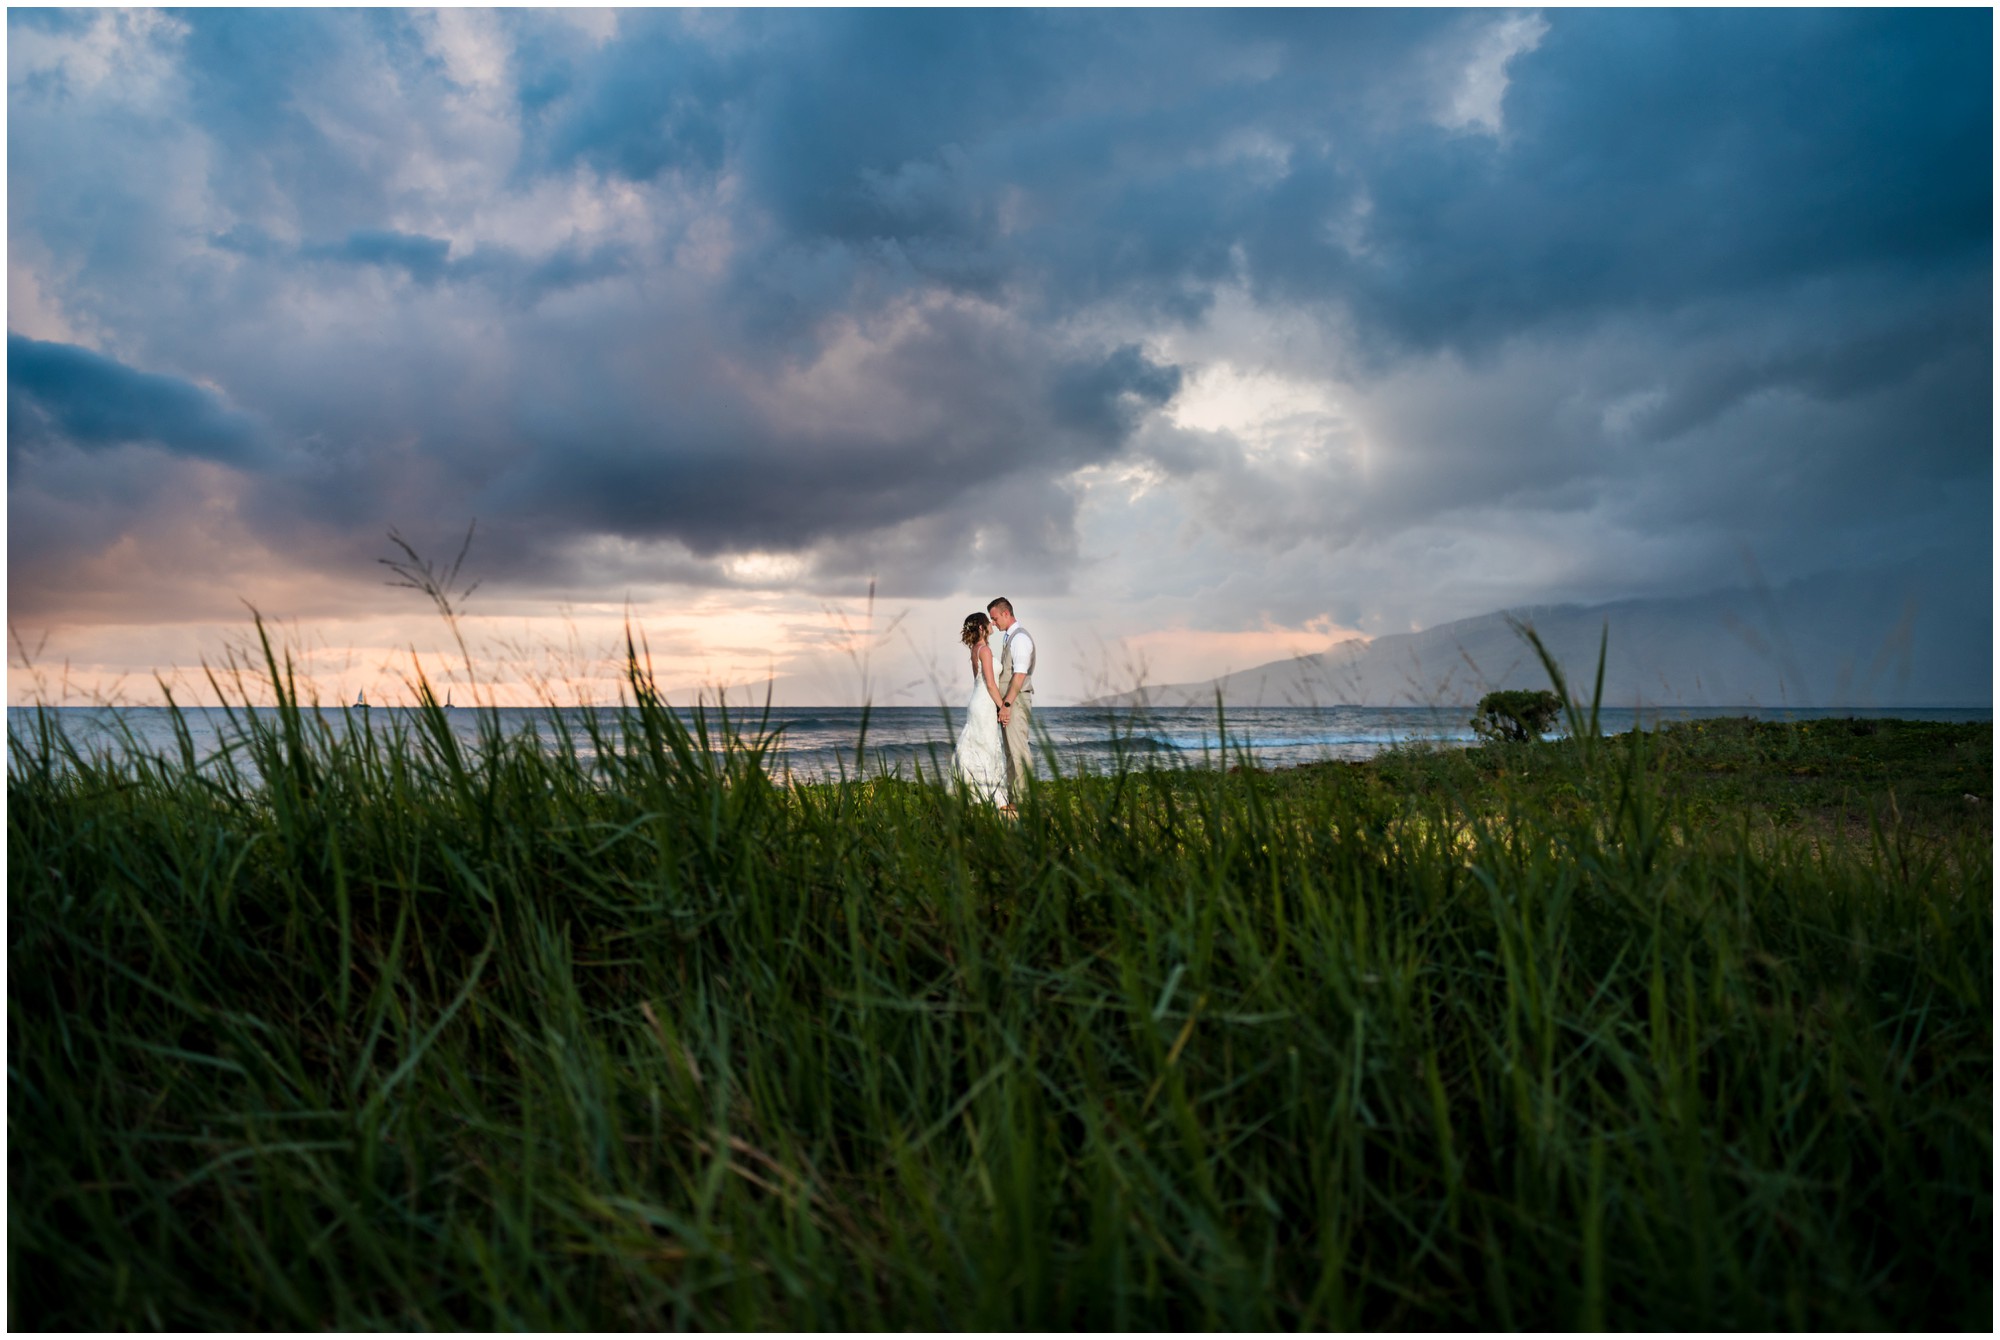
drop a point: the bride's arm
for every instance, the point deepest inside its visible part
(984, 655)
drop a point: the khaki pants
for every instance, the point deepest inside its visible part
(1020, 746)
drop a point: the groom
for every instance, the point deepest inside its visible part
(1017, 700)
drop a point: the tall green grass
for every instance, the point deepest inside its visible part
(606, 1028)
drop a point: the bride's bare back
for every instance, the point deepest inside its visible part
(982, 665)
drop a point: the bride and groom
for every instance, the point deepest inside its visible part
(994, 759)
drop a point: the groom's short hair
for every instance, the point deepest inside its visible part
(1000, 602)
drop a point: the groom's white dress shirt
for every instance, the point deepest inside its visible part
(1023, 648)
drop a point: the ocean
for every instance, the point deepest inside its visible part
(829, 743)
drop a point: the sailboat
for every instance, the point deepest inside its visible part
(361, 698)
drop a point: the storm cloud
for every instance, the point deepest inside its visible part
(1378, 317)
(58, 393)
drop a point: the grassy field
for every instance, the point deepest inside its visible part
(1690, 1029)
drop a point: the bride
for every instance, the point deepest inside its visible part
(981, 759)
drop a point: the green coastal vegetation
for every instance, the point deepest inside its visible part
(606, 1027)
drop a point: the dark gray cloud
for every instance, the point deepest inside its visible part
(1659, 158)
(891, 292)
(501, 271)
(59, 394)
(955, 404)
(660, 99)
(422, 258)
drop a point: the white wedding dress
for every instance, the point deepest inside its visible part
(981, 759)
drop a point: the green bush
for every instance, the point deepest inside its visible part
(1519, 715)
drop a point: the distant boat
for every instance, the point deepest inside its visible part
(447, 700)
(361, 698)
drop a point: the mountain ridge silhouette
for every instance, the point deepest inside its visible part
(1915, 634)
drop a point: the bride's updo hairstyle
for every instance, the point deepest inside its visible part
(973, 631)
